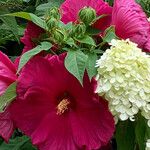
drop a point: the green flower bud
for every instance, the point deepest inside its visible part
(51, 23)
(58, 36)
(54, 12)
(79, 30)
(87, 15)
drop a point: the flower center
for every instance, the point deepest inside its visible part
(62, 106)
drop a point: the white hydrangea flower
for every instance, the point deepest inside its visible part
(124, 79)
(147, 145)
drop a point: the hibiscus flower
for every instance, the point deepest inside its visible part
(32, 32)
(7, 76)
(131, 22)
(56, 111)
(71, 8)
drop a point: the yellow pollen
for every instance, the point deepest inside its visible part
(62, 106)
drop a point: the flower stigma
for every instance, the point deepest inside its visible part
(62, 106)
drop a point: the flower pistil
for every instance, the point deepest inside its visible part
(62, 106)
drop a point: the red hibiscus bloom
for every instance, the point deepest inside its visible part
(56, 111)
(7, 76)
(131, 22)
(32, 32)
(71, 8)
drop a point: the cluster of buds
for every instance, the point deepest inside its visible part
(58, 34)
(53, 18)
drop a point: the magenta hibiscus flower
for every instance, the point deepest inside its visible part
(71, 8)
(7, 76)
(56, 111)
(131, 22)
(32, 32)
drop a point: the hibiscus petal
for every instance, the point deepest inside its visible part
(7, 76)
(32, 32)
(131, 22)
(92, 124)
(6, 125)
(7, 72)
(58, 134)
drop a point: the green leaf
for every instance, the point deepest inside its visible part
(92, 31)
(49, 5)
(31, 17)
(67, 26)
(125, 135)
(90, 66)
(142, 132)
(29, 54)
(86, 40)
(70, 42)
(18, 143)
(8, 96)
(109, 34)
(10, 23)
(75, 63)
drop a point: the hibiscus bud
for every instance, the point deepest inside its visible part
(87, 15)
(54, 12)
(51, 23)
(58, 36)
(79, 30)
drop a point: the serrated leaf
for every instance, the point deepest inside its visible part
(86, 40)
(31, 17)
(8, 96)
(90, 66)
(125, 135)
(109, 34)
(29, 54)
(75, 63)
(18, 143)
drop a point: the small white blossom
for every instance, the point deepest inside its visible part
(124, 80)
(147, 145)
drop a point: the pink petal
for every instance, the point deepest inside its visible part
(32, 32)
(7, 72)
(7, 76)
(6, 125)
(131, 22)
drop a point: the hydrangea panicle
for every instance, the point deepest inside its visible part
(124, 79)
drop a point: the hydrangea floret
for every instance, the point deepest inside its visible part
(147, 145)
(124, 80)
